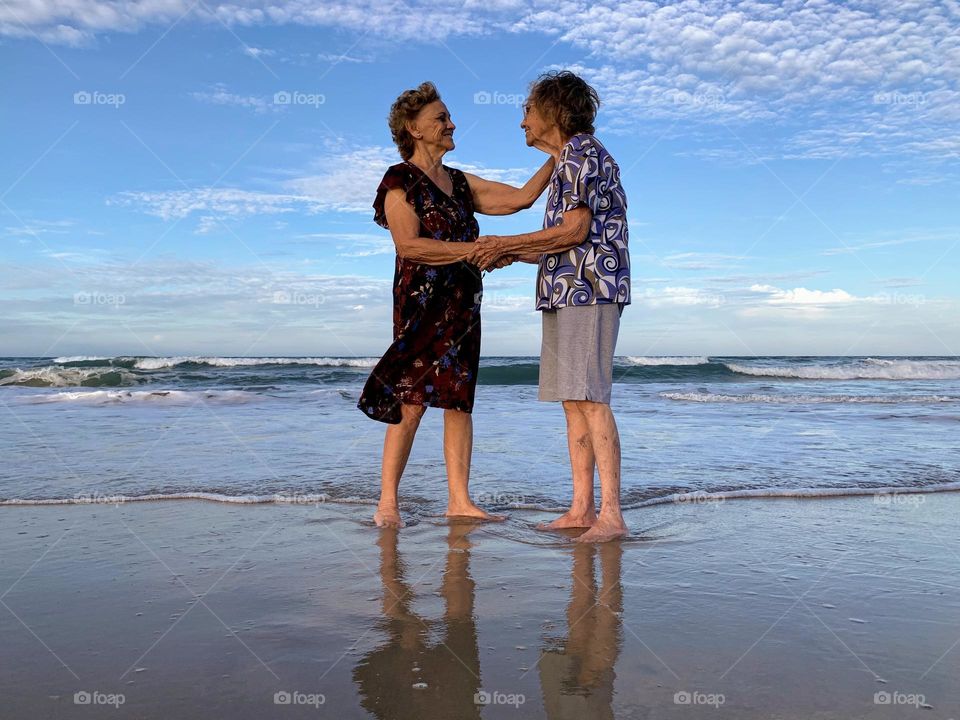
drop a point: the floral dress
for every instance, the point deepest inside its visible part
(435, 353)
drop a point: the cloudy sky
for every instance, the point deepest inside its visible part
(192, 177)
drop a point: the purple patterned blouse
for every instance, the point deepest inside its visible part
(598, 270)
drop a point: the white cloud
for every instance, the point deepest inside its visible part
(908, 238)
(803, 296)
(677, 296)
(344, 181)
(701, 261)
(870, 77)
(770, 300)
(219, 95)
(214, 203)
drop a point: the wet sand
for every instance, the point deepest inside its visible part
(842, 608)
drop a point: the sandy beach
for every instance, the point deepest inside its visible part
(835, 608)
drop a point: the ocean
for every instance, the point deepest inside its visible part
(286, 429)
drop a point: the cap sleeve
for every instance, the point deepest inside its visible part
(462, 188)
(579, 173)
(397, 176)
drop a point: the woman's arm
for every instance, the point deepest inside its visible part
(405, 229)
(571, 232)
(497, 198)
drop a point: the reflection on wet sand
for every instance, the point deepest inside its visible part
(446, 659)
(577, 676)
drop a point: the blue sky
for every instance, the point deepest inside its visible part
(791, 169)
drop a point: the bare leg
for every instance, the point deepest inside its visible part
(396, 452)
(457, 451)
(582, 512)
(606, 447)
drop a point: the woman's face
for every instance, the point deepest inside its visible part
(535, 127)
(434, 126)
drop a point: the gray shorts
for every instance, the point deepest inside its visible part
(576, 354)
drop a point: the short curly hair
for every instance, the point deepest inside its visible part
(567, 99)
(404, 110)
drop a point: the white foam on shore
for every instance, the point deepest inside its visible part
(279, 499)
(152, 397)
(654, 360)
(888, 494)
(708, 397)
(868, 369)
(883, 494)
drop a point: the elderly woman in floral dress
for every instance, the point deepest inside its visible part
(433, 361)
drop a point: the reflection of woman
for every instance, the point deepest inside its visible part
(450, 666)
(577, 679)
(433, 361)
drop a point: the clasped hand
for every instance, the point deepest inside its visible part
(489, 253)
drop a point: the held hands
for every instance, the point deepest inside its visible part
(490, 253)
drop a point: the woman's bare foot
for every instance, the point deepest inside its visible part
(470, 510)
(388, 516)
(571, 519)
(606, 528)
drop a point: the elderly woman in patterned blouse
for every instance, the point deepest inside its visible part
(433, 361)
(583, 283)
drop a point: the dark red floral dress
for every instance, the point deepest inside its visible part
(436, 308)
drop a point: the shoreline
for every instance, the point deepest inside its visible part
(880, 494)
